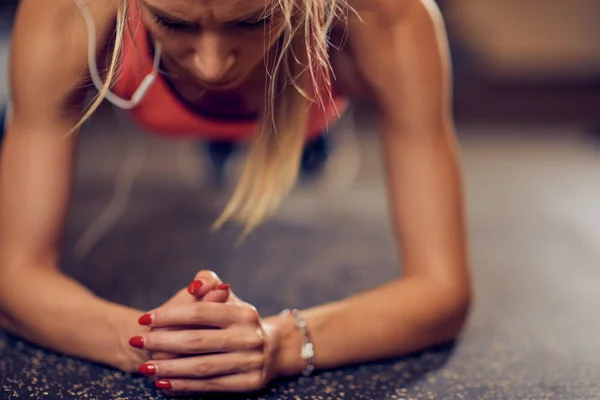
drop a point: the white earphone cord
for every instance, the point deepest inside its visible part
(93, 67)
(135, 159)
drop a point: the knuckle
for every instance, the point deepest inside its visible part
(249, 314)
(184, 386)
(205, 369)
(255, 380)
(253, 341)
(195, 343)
(198, 311)
(255, 362)
(228, 343)
(213, 385)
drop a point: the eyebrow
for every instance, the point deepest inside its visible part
(253, 15)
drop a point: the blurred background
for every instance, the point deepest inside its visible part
(537, 61)
(527, 107)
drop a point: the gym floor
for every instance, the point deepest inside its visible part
(532, 198)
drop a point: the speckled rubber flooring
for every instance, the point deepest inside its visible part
(532, 196)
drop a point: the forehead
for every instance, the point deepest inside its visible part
(210, 9)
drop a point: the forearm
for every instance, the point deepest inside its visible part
(398, 318)
(429, 304)
(54, 311)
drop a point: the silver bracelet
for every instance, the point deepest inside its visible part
(308, 350)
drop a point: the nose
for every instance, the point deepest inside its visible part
(213, 58)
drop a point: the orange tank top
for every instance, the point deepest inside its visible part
(162, 112)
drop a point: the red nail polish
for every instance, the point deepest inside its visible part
(162, 384)
(222, 286)
(194, 287)
(147, 369)
(137, 342)
(145, 319)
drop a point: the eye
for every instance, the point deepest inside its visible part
(254, 24)
(172, 25)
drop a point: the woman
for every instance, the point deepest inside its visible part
(234, 70)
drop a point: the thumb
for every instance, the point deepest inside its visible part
(220, 294)
(203, 283)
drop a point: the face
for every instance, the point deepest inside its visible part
(215, 43)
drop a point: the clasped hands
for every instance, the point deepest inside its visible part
(205, 339)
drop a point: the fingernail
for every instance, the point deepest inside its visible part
(145, 319)
(194, 286)
(162, 384)
(137, 342)
(222, 286)
(147, 369)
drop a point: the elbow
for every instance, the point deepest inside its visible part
(7, 322)
(445, 310)
(455, 307)
(460, 314)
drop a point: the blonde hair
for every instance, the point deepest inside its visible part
(301, 62)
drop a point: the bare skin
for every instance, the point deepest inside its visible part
(398, 53)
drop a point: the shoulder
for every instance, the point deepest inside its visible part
(383, 11)
(374, 24)
(367, 40)
(59, 17)
(398, 49)
(48, 56)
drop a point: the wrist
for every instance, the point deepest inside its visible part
(288, 346)
(125, 326)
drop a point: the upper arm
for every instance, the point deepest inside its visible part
(47, 72)
(401, 52)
